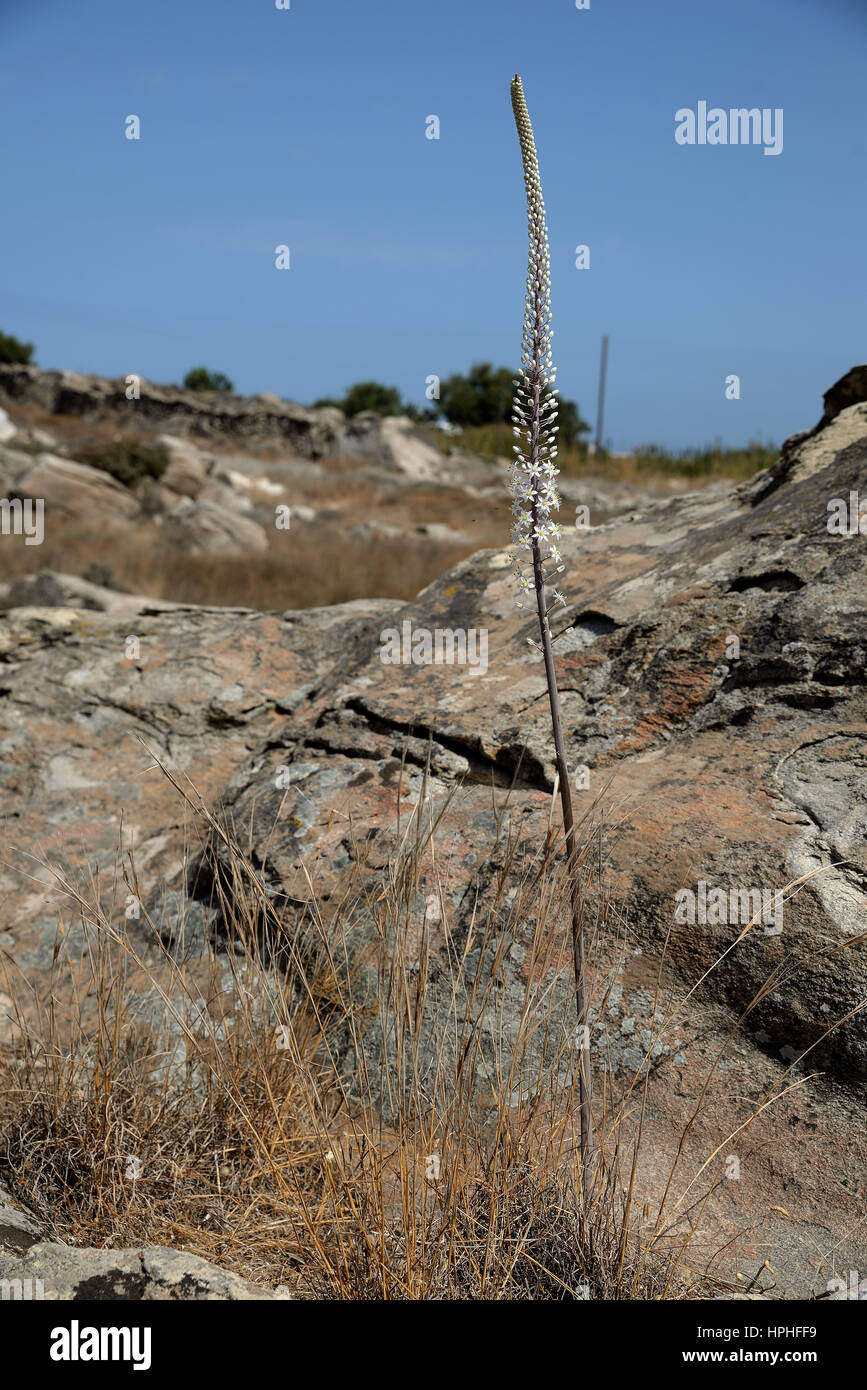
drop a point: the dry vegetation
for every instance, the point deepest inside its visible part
(302, 568)
(276, 1138)
(647, 463)
(320, 562)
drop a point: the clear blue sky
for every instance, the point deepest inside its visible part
(307, 127)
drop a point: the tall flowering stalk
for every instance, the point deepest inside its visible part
(535, 499)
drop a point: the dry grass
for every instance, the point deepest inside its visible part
(313, 563)
(646, 464)
(327, 1101)
(302, 568)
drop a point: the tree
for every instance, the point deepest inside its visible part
(484, 397)
(12, 351)
(200, 379)
(571, 425)
(372, 395)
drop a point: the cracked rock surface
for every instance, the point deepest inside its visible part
(711, 669)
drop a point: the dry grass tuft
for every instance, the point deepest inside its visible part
(331, 1100)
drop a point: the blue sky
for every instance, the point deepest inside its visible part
(307, 127)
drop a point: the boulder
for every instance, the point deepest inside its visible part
(75, 490)
(211, 526)
(711, 666)
(36, 439)
(441, 534)
(393, 441)
(49, 589)
(207, 414)
(144, 1274)
(19, 1229)
(7, 429)
(13, 462)
(186, 470)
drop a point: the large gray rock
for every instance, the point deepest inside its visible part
(394, 442)
(7, 429)
(186, 469)
(208, 414)
(210, 526)
(145, 1274)
(50, 589)
(75, 489)
(19, 1228)
(741, 764)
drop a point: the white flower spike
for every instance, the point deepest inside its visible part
(534, 421)
(534, 411)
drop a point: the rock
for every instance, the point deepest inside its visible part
(202, 693)
(711, 668)
(262, 483)
(441, 534)
(210, 526)
(225, 495)
(19, 1229)
(36, 440)
(851, 389)
(75, 489)
(210, 414)
(376, 531)
(50, 589)
(7, 429)
(13, 462)
(394, 442)
(230, 477)
(185, 470)
(146, 1274)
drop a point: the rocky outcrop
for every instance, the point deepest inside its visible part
(34, 1268)
(7, 429)
(152, 1272)
(210, 526)
(207, 414)
(711, 664)
(69, 489)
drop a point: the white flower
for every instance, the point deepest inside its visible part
(536, 404)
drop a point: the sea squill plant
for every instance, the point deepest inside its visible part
(535, 529)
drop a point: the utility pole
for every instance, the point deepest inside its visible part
(600, 407)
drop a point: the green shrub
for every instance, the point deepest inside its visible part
(484, 397)
(200, 379)
(372, 395)
(713, 461)
(13, 351)
(127, 460)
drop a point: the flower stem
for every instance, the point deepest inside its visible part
(536, 450)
